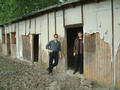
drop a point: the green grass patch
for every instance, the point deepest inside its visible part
(97, 85)
(8, 68)
(115, 88)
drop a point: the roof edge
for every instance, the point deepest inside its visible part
(50, 8)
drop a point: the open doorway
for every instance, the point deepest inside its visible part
(8, 44)
(71, 36)
(35, 47)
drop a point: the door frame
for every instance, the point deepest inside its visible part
(33, 59)
(66, 44)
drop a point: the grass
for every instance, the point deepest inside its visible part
(97, 85)
(115, 88)
(8, 68)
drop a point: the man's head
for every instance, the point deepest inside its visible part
(79, 34)
(55, 36)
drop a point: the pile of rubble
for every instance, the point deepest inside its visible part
(18, 76)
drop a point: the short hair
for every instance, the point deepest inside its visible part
(79, 32)
(55, 35)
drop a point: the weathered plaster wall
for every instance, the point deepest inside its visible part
(17, 40)
(44, 39)
(8, 29)
(13, 27)
(116, 4)
(32, 26)
(21, 28)
(38, 31)
(97, 58)
(4, 49)
(73, 15)
(13, 46)
(51, 25)
(117, 68)
(13, 50)
(0, 47)
(27, 27)
(98, 41)
(38, 25)
(61, 32)
(0, 34)
(4, 46)
(0, 39)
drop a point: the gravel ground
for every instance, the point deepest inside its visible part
(16, 75)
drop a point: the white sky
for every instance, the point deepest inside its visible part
(61, 0)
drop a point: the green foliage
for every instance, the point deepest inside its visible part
(12, 9)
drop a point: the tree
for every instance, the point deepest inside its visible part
(13, 9)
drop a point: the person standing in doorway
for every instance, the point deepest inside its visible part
(78, 53)
(53, 47)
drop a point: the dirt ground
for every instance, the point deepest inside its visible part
(16, 75)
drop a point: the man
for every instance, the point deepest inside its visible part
(54, 47)
(78, 53)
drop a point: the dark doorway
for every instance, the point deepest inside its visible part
(35, 47)
(71, 36)
(8, 44)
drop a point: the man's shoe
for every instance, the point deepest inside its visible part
(81, 72)
(47, 69)
(74, 72)
(49, 72)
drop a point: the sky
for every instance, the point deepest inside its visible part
(61, 0)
